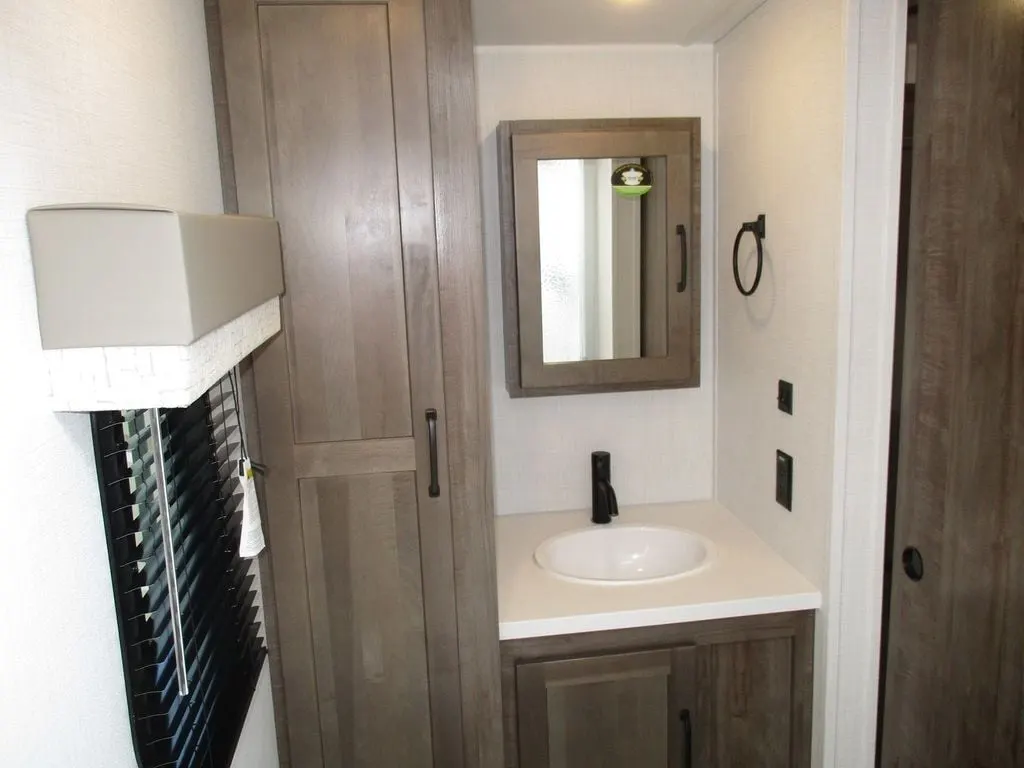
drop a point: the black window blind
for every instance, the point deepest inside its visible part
(185, 600)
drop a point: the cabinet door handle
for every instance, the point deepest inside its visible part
(687, 738)
(435, 488)
(684, 259)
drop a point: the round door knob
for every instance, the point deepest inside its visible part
(913, 563)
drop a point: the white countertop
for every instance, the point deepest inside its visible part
(746, 578)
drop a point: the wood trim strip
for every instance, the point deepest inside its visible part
(355, 457)
(243, 66)
(452, 93)
(531, 686)
(413, 128)
(247, 381)
(605, 125)
(694, 232)
(650, 662)
(268, 586)
(222, 117)
(327, 2)
(509, 271)
(739, 629)
(803, 690)
(594, 144)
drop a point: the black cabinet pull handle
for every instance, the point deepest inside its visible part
(687, 738)
(435, 489)
(684, 259)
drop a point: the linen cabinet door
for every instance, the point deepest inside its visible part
(330, 129)
(626, 710)
(747, 705)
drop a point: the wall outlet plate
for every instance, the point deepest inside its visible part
(784, 479)
(785, 397)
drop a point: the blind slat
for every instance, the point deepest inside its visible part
(223, 649)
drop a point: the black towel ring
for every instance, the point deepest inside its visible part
(756, 228)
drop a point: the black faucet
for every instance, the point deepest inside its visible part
(605, 505)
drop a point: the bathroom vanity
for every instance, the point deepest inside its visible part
(666, 635)
(712, 667)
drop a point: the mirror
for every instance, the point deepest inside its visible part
(600, 254)
(599, 268)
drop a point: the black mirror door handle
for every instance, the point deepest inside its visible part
(434, 490)
(684, 256)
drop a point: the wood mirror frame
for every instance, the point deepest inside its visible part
(675, 142)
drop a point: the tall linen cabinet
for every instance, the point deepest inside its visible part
(354, 123)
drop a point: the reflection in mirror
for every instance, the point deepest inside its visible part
(603, 262)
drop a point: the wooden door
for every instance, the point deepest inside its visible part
(616, 697)
(607, 711)
(955, 674)
(330, 130)
(747, 701)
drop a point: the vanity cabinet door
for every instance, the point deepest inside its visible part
(607, 711)
(627, 698)
(745, 711)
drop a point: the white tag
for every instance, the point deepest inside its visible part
(252, 542)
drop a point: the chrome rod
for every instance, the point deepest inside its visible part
(168, 544)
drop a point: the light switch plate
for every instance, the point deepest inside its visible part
(785, 396)
(784, 479)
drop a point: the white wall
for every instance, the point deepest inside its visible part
(876, 62)
(101, 101)
(661, 442)
(782, 94)
(257, 746)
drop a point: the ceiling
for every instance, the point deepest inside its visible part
(587, 22)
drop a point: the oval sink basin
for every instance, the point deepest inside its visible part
(624, 554)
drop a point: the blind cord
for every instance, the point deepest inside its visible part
(238, 411)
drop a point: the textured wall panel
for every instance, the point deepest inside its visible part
(661, 442)
(101, 101)
(781, 95)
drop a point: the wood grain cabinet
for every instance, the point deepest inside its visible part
(600, 223)
(354, 125)
(724, 694)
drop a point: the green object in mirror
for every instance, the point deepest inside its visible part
(631, 180)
